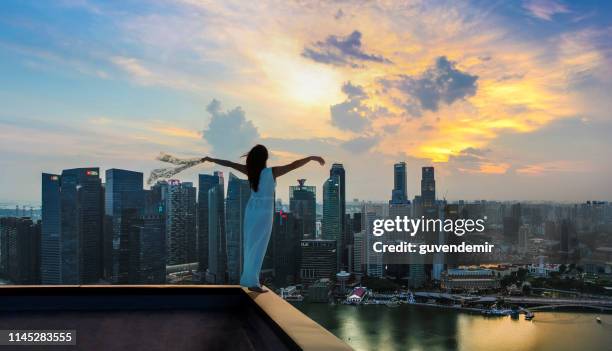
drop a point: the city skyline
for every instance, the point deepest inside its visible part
(488, 93)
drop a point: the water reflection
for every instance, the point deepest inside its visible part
(420, 328)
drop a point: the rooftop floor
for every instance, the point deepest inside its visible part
(163, 317)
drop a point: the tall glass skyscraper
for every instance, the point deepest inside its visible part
(284, 249)
(303, 206)
(331, 224)
(123, 192)
(71, 243)
(337, 170)
(217, 254)
(205, 183)
(238, 193)
(50, 250)
(399, 195)
(180, 223)
(428, 187)
(147, 242)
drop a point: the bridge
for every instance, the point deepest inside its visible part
(537, 301)
(557, 307)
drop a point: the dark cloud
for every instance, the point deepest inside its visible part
(440, 83)
(229, 133)
(341, 51)
(351, 114)
(353, 91)
(361, 144)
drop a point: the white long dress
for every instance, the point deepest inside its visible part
(258, 218)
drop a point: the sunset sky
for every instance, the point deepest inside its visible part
(509, 100)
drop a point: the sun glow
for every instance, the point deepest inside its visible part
(309, 84)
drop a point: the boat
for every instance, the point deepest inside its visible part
(496, 312)
(598, 319)
(392, 304)
(529, 316)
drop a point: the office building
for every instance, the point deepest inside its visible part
(205, 183)
(238, 193)
(331, 223)
(469, 279)
(284, 249)
(147, 242)
(20, 250)
(123, 192)
(428, 187)
(373, 260)
(217, 254)
(319, 260)
(303, 206)
(51, 230)
(337, 170)
(399, 194)
(81, 235)
(180, 223)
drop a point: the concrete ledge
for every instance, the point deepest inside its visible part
(302, 330)
(299, 330)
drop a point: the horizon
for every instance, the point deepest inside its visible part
(285, 200)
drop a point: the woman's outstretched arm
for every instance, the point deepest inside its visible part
(281, 170)
(237, 166)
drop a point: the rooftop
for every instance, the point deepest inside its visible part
(163, 317)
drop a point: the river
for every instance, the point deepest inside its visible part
(380, 328)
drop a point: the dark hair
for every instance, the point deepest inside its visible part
(255, 163)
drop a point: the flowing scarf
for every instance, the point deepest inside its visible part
(181, 164)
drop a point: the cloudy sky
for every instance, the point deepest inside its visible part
(507, 99)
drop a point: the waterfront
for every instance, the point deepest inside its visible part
(408, 327)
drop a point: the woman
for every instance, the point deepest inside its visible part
(259, 213)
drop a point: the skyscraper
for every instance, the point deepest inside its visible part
(318, 260)
(337, 170)
(180, 223)
(399, 206)
(20, 250)
(373, 260)
(147, 242)
(399, 194)
(123, 192)
(217, 252)
(205, 183)
(512, 223)
(81, 240)
(428, 187)
(331, 224)
(238, 193)
(50, 249)
(303, 206)
(284, 248)
(358, 252)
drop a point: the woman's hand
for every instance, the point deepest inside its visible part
(318, 159)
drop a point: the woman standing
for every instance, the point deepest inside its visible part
(259, 213)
